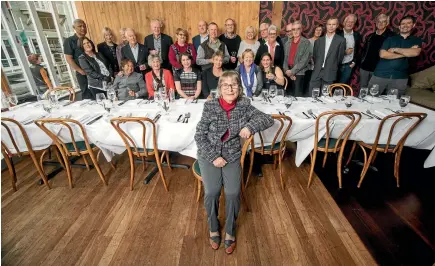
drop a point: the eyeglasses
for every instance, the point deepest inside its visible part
(181, 34)
(296, 29)
(229, 24)
(226, 86)
(288, 31)
(270, 33)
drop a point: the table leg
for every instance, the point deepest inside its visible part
(155, 170)
(59, 167)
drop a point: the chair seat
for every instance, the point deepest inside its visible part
(142, 150)
(196, 170)
(331, 143)
(269, 148)
(81, 145)
(380, 146)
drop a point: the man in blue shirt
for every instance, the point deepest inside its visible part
(392, 69)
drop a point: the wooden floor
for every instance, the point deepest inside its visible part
(96, 225)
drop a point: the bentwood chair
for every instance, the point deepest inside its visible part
(8, 154)
(133, 149)
(71, 92)
(347, 90)
(73, 148)
(328, 144)
(277, 147)
(414, 119)
(246, 143)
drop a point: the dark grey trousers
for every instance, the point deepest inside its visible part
(213, 179)
(388, 84)
(364, 77)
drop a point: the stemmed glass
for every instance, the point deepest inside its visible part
(213, 93)
(374, 90)
(100, 97)
(47, 106)
(404, 100)
(338, 95)
(315, 93)
(348, 102)
(272, 91)
(108, 106)
(325, 90)
(12, 99)
(392, 94)
(111, 94)
(52, 97)
(265, 93)
(363, 93)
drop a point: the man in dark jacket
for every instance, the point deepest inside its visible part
(372, 46)
(351, 55)
(135, 51)
(159, 43)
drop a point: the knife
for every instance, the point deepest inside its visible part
(179, 118)
(306, 115)
(94, 120)
(367, 115)
(119, 104)
(319, 100)
(157, 118)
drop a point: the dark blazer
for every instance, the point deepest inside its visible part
(333, 58)
(196, 41)
(356, 50)
(104, 49)
(92, 69)
(279, 54)
(142, 56)
(214, 123)
(166, 44)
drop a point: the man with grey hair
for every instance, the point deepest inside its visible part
(232, 41)
(372, 46)
(204, 56)
(159, 43)
(351, 55)
(264, 34)
(288, 33)
(272, 46)
(72, 52)
(135, 51)
(202, 36)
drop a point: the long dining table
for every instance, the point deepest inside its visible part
(176, 134)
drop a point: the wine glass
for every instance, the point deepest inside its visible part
(213, 93)
(338, 94)
(111, 94)
(404, 100)
(108, 106)
(100, 97)
(325, 90)
(288, 102)
(363, 93)
(265, 93)
(315, 93)
(162, 93)
(348, 102)
(374, 90)
(272, 91)
(12, 99)
(52, 97)
(47, 106)
(165, 105)
(392, 94)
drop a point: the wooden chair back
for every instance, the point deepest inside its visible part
(346, 89)
(282, 129)
(72, 93)
(416, 120)
(61, 145)
(23, 135)
(128, 140)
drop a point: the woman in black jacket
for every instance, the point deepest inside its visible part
(108, 49)
(97, 68)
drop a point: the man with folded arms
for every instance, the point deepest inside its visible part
(351, 55)
(159, 43)
(372, 46)
(296, 56)
(392, 69)
(204, 55)
(135, 51)
(328, 53)
(202, 36)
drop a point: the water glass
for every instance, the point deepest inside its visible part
(213, 93)
(100, 97)
(325, 90)
(315, 93)
(404, 100)
(265, 93)
(47, 105)
(374, 90)
(392, 94)
(272, 90)
(52, 97)
(171, 95)
(163, 94)
(338, 94)
(348, 102)
(363, 93)
(108, 105)
(111, 94)
(12, 99)
(165, 105)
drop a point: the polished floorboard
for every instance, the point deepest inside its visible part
(93, 224)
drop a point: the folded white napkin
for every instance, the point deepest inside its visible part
(381, 114)
(328, 100)
(374, 99)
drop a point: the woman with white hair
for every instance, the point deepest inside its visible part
(248, 43)
(273, 47)
(108, 49)
(224, 120)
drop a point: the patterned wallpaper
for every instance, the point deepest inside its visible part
(314, 12)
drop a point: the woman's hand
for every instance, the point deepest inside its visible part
(219, 162)
(132, 93)
(270, 76)
(120, 73)
(245, 133)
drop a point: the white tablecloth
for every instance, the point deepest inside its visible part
(179, 137)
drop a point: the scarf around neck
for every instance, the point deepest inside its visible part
(249, 84)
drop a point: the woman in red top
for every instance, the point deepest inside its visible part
(179, 47)
(158, 77)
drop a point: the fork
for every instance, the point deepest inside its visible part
(375, 116)
(186, 118)
(310, 112)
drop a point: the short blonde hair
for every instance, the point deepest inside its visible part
(218, 53)
(107, 30)
(151, 58)
(234, 76)
(177, 31)
(251, 28)
(248, 51)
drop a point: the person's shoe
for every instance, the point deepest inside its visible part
(215, 242)
(230, 246)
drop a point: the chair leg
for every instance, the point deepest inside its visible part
(86, 162)
(40, 170)
(130, 156)
(397, 166)
(59, 157)
(325, 156)
(97, 167)
(366, 164)
(251, 165)
(159, 165)
(351, 153)
(199, 190)
(339, 166)
(244, 197)
(313, 156)
(11, 170)
(168, 161)
(280, 170)
(144, 164)
(275, 161)
(68, 169)
(41, 159)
